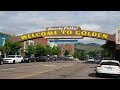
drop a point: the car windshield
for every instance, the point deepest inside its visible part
(10, 56)
(110, 63)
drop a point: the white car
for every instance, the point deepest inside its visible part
(13, 59)
(76, 59)
(69, 57)
(90, 59)
(109, 67)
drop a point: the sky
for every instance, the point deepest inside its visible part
(22, 22)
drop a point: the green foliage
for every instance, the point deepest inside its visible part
(109, 49)
(85, 47)
(48, 50)
(81, 55)
(5, 49)
(11, 47)
(31, 49)
(92, 54)
(40, 50)
(55, 50)
(66, 52)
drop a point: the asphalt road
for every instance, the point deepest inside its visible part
(79, 70)
(49, 70)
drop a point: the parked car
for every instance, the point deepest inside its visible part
(1, 60)
(42, 59)
(53, 58)
(76, 59)
(29, 58)
(90, 59)
(108, 67)
(69, 57)
(13, 59)
(60, 58)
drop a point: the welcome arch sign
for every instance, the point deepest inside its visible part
(64, 32)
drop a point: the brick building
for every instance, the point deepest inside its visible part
(68, 47)
(35, 41)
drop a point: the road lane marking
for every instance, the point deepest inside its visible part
(50, 65)
(27, 66)
(33, 74)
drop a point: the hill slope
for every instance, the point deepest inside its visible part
(88, 47)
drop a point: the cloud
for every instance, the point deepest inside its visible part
(92, 27)
(21, 22)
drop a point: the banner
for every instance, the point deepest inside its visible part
(63, 41)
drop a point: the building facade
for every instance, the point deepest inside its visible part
(3, 38)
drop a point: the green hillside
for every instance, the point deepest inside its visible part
(88, 47)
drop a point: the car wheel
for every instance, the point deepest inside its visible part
(29, 61)
(97, 74)
(13, 61)
(1, 62)
(21, 61)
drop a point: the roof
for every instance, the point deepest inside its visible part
(5, 34)
(110, 61)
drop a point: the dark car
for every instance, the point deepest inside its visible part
(1, 60)
(42, 59)
(29, 58)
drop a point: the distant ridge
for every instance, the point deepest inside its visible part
(88, 47)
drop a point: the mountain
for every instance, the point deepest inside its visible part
(88, 47)
(94, 44)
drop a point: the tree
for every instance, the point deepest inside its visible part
(48, 50)
(40, 50)
(14, 46)
(55, 50)
(5, 50)
(81, 55)
(92, 53)
(66, 52)
(109, 48)
(31, 49)
(10, 47)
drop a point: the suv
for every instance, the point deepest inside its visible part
(29, 58)
(13, 59)
(1, 60)
(42, 59)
